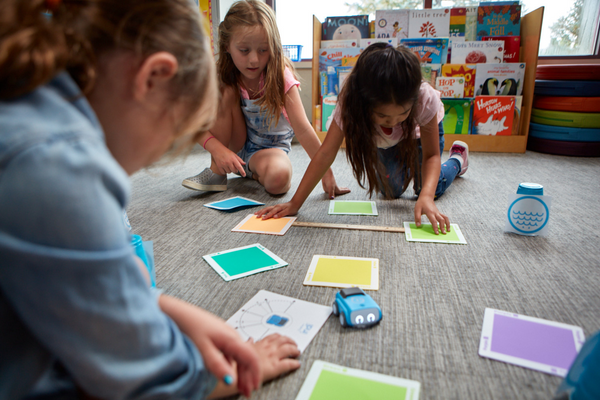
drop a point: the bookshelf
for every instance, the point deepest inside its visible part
(531, 27)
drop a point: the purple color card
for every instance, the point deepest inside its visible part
(534, 343)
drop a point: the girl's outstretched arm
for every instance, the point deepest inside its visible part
(430, 174)
(308, 138)
(319, 164)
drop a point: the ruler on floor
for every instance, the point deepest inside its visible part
(347, 226)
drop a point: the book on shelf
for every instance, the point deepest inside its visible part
(347, 27)
(451, 87)
(429, 23)
(458, 114)
(493, 115)
(471, 23)
(328, 106)
(429, 51)
(391, 24)
(429, 72)
(504, 79)
(336, 44)
(477, 52)
(512, 47)
(498, 20)
(465, 70)
(364, 43)
(458, 20)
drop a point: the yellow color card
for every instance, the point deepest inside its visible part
(343, 272)
(272, 226)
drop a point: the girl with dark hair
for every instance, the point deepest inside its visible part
(392, 123)
(88, 96)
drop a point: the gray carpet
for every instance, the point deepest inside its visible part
(432, 296)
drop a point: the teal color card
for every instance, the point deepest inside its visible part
(243, 261)
(327, 381)
(425, 234)
(233, 203)
(352, 207)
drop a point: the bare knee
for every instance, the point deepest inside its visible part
(277, 181)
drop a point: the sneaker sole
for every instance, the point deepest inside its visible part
(466, 146)
(206, 188)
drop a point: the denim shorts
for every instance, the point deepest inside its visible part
(256, 142)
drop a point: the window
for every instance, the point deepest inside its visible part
(570, 27)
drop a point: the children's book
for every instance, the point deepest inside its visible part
(327, 381)
(477, 52)
(364, 43)
(329, 58)
(529, 342)
(329, 103)
(465, 70)
(430, 72)
(336, 44)
(493, 115)
(429, 23)
(348, 27)
(391, 24)
(499, 20)
(504, 79)
(458, 20)
(451, 87)
(429, 51)
(458, 114)
(471, 23)
(512, 47)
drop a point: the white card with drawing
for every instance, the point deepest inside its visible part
(528, 214)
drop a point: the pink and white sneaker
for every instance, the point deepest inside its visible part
(460, 151)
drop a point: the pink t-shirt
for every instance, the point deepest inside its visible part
(288, 81)
(428, 105)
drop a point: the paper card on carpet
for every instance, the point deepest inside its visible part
(272, 226)
(343, 272)
(534, 343)
(267, 313)
(349, 207)
(425, 234)
(243, 261)
(327, 381)
(233, 203)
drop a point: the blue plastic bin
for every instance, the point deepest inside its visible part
(293, 51)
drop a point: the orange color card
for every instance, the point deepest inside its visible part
(272, 226)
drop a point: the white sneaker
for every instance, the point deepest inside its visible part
(206, 180)
(460, 151)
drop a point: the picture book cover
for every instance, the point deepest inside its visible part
(458, 114)
(327, 108)
(471, 23)
(393, 41)
(465, 70)
(333, 57)
(451, 87)
(429, 51)
(430, 72)
(499, 20)
(512, 47)
(477, 52)
(458, 20)
(504, 79)
(430, 23)
(348, 27)
(493, 115)
(335, 44)
(391, 24)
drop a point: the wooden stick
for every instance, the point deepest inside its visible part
(347, 226)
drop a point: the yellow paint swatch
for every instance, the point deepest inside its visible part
(343, 272)
(252, 224)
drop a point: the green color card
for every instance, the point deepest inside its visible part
(327, 381)
(425, 234)
(243, 261)
(352, 207)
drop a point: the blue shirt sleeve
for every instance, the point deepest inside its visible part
(69, 273)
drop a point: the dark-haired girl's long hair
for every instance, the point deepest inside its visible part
(382, 75)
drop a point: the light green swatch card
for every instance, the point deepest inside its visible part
(349, 207)
(425, 234)
(327, 381)
(243, 261)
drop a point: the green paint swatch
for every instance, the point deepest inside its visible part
(332, 385)
(244, 260)
(425, 232)
(353, 207)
